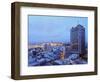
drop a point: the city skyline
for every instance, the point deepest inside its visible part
(53, 28)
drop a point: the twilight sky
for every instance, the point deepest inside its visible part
(53, 28)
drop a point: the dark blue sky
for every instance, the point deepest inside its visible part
(53, 28)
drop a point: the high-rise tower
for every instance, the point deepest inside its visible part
(77, 38)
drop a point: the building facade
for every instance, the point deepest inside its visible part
(77, 38)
